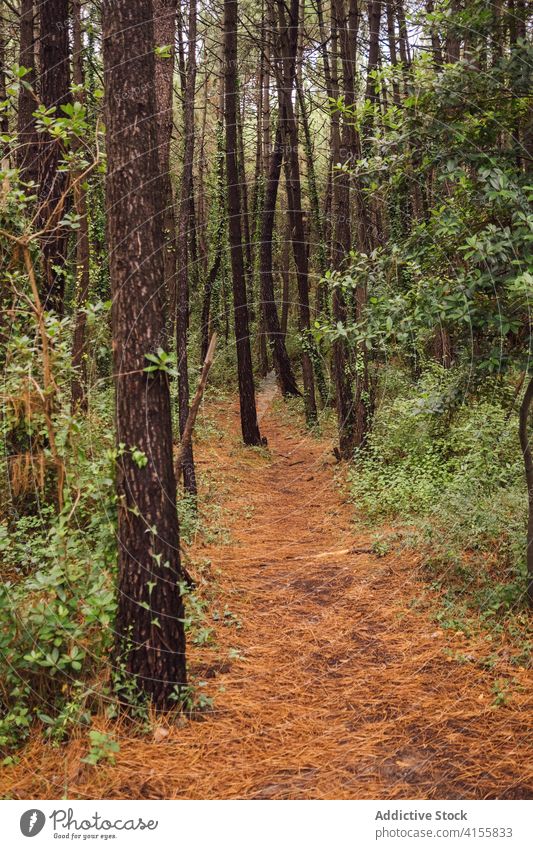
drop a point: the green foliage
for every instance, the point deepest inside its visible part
(458, 254)
(103, 748)
(57, 598)
(161, 361)
(192, 699)
(448, 466)
(58, 589)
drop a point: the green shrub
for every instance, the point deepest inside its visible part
(453, 473)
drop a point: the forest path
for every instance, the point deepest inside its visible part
(329, 677)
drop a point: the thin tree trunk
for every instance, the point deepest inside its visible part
(405, 52)
(330, 69)
(287, 48)
(453, 44)
(391, 33)
(79, 363)
(164, 33)
(4, 120)
(341, 230)
(258, 201)
(282, 363)
(314, 200)
(285, 280)
(206, 319)
(26, 154)
(434, 33)
(249, 425)
(374, 20)
(363, 400)
(265, 114)
(53, 185)
(149, 623)
(184, 247)
(202, 170)
(528, 468)
(186, 438)
(246, 229)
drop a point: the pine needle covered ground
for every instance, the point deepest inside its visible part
(329, 676)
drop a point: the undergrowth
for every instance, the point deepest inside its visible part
(448, 476)
(58, 560)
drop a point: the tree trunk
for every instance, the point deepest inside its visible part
(53, 185)
(183, 287)
(149, 624)
(165, 33)
(282, 363)
(332, 91)
(341, 230)
(405, 51)
(202, 171)
(528, 468)
(453, 44)
(26, 155)
(391, 33)
(249, 425)
(245, 213)
(287, 48)
(206, 318)
(363, 400)
(79, 363)
(285, 280)
(4, 120)
(374, 20)
(434, 33)
(314, 200)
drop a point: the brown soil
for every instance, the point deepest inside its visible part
(329, 677)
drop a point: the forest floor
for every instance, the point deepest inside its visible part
(329, 675)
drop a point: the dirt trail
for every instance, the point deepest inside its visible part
(330, 678)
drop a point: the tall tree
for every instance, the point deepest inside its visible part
(165, 12)
(54, 92)
(79, 364)
(26, 155)
(282, 363)
(4, 120)
(149, 620)
(249, 425)
(344, 26)
(286, 45)
(184, 247)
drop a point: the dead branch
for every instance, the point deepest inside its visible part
(195, 406)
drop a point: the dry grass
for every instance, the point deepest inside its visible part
(335, 686)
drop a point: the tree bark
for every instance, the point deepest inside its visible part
(26, 155)
(183, 273)
(245, 213)
(149, 624)
(249, 425)
(341, 227)
(314, 200)
(4, 120)
(206, 318)
(165, 33)
(453, 44)
(391, 33)
(195, 406)
(79, 363)
(282, 363)
(434, 33)
(53, 183)
(287, 43)
(528, 468)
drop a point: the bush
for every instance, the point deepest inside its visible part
(453, 472)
